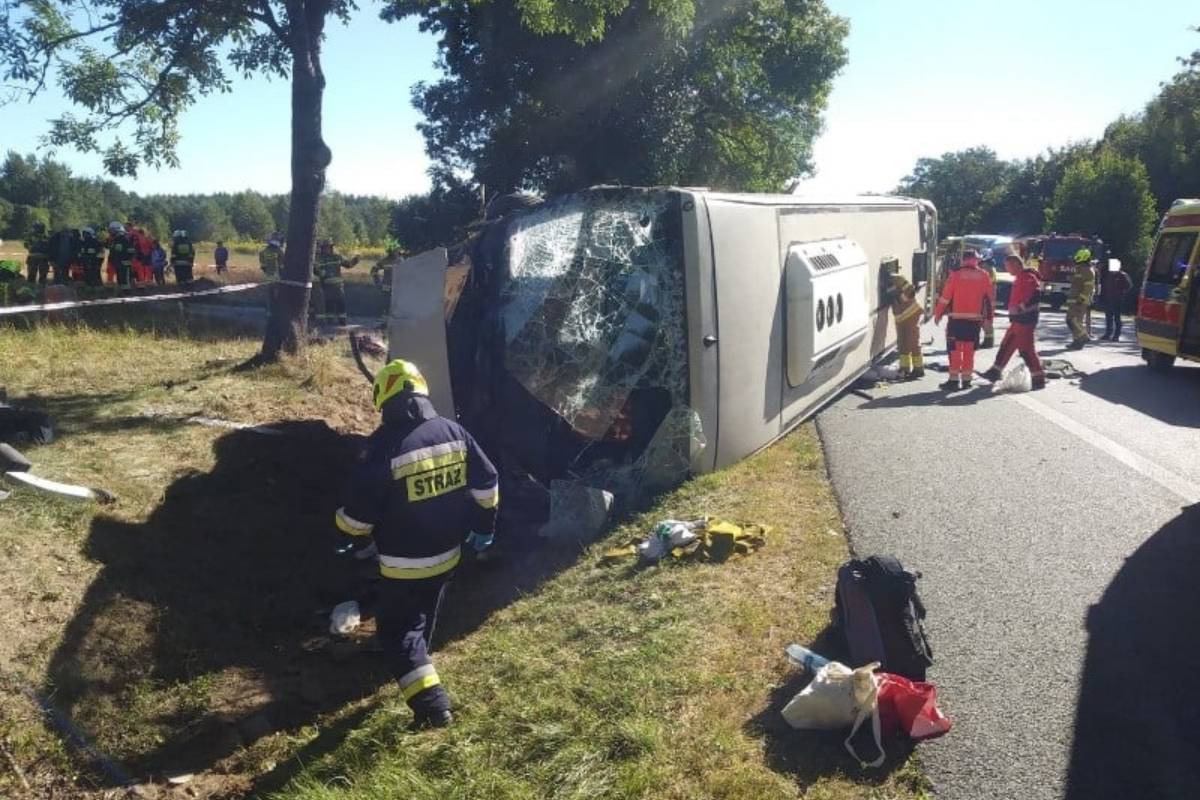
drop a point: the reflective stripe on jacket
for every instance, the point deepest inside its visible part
(421, 485)
(902, 296)
(329, 267)
(968, 294)
(182, 253)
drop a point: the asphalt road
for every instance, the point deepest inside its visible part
(1059, 537)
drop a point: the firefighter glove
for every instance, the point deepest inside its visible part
(480, 541)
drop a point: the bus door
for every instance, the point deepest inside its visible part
(1161, 308)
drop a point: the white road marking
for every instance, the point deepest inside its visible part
(1164, 477)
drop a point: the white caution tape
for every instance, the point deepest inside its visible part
(114, 301)
(300, 284)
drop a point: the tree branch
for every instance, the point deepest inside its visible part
(267, 17)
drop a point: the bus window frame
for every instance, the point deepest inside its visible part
(1173, 275)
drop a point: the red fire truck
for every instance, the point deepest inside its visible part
(1055, 257)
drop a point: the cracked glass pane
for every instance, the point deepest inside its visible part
(594, 305)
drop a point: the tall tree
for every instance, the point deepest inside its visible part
(134, 65)
(731, 99)
(964, 186)
(1020, 206)
(1108, 195)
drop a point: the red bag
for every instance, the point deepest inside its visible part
(909, 707)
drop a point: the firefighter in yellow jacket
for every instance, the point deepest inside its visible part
(902, 296)
(1079, 301)
(328, 268)
(989, 323)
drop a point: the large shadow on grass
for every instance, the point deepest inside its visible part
(809, 756)
(224, 592)
(1137, 726)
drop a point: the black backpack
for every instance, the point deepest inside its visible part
(881, 616)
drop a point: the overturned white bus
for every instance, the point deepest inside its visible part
(624, 337)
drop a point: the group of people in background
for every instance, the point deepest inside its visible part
(327, 304)
(127, 256)
(968, 300)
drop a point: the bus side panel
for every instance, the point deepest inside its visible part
(883, 234)
(703, 359)
(748, 269)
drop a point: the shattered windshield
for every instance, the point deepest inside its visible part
(594, 305)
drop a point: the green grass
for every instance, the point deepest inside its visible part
(614, 682)
(604, 681)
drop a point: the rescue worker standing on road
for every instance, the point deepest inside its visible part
(970, 298)
(183, 257)
(1079, 301)
(989, 328)
(1116, 285)
(37, 259)
(1024, 303)
(422, 488)
(902, 296)
(329, 268)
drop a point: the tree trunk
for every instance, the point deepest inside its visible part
(287, 325)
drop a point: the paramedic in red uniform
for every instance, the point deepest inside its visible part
(969, 297)
(422, 489)
(1023, 304)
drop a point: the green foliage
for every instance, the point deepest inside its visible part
(1109, 195)
(438, 218)
(22, 219)
(733, 100)
(250, 216)
(132, 67)
(962, 185)
(1166, 136)
(46, 190)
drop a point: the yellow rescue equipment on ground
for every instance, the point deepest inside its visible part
(716, 540)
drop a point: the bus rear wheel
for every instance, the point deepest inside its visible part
(1159, 362)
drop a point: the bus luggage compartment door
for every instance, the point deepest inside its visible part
(827, 312)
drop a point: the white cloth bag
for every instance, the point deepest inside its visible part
(839, 698)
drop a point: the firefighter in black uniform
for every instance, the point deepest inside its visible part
(422, 489)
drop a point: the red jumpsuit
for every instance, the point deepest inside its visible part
(969, 297)
(1023, 318)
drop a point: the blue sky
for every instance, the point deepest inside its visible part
(923, 78)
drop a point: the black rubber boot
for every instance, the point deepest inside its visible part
(992, 374)
(436, 719)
